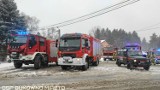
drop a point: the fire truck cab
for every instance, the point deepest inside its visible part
(32, 49)
(109, 53)
(79, 50)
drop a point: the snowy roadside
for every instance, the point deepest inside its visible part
(5, 65)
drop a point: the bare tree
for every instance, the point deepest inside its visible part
(32, 23)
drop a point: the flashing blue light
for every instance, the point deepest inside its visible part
(130, 44)
(158, 50)
(136, 49)
(136, 44)
(22, 33)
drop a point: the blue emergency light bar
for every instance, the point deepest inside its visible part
(22, 33)
(132, 44)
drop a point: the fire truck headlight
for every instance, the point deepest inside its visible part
(78, 60)
(135, 60)
(59, 59)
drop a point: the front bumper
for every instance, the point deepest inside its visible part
(141, 64)
(71, 61)
(108, 57)
(22, 58)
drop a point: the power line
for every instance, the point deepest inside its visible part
(113, 7)
(147, 29)
(91, 13)
(98, 14)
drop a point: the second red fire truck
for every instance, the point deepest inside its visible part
(79, 50)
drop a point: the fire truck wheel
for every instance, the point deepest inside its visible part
(37, 62)
(64, 67)
(45, 61)
(57, 63)
(85, 67)
(96, 63)
(17, 64)
(146, 67)
(45, 64)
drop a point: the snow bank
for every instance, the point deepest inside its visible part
(5, 65)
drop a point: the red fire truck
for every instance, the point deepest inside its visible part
(32, 49)
(109, 53)
(78, 50)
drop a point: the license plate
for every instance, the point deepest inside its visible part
(68, 59)
(14, 52)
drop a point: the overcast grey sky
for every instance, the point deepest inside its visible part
(139, 15)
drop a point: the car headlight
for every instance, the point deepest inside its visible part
(135, 60)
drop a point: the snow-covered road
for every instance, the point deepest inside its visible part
(103, 77)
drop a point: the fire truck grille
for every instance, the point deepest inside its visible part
(71, 55)
(15, 56)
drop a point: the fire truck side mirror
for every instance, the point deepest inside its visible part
(57, 43)
(86, 44)
(30, 44)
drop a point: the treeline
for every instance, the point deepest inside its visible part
(154, 41)
(119, 38)
(11, 20)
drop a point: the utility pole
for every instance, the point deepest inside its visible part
(59, 34)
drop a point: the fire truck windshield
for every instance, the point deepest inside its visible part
(135, 53)
(20, 39)
(69, 43)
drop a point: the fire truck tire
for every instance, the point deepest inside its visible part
(17, 64)
(96, 63)
(37, 62)
(85, 67)
(64, 67)
(45, 61)
(146, 67)
(57, 63)
(45, 64)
